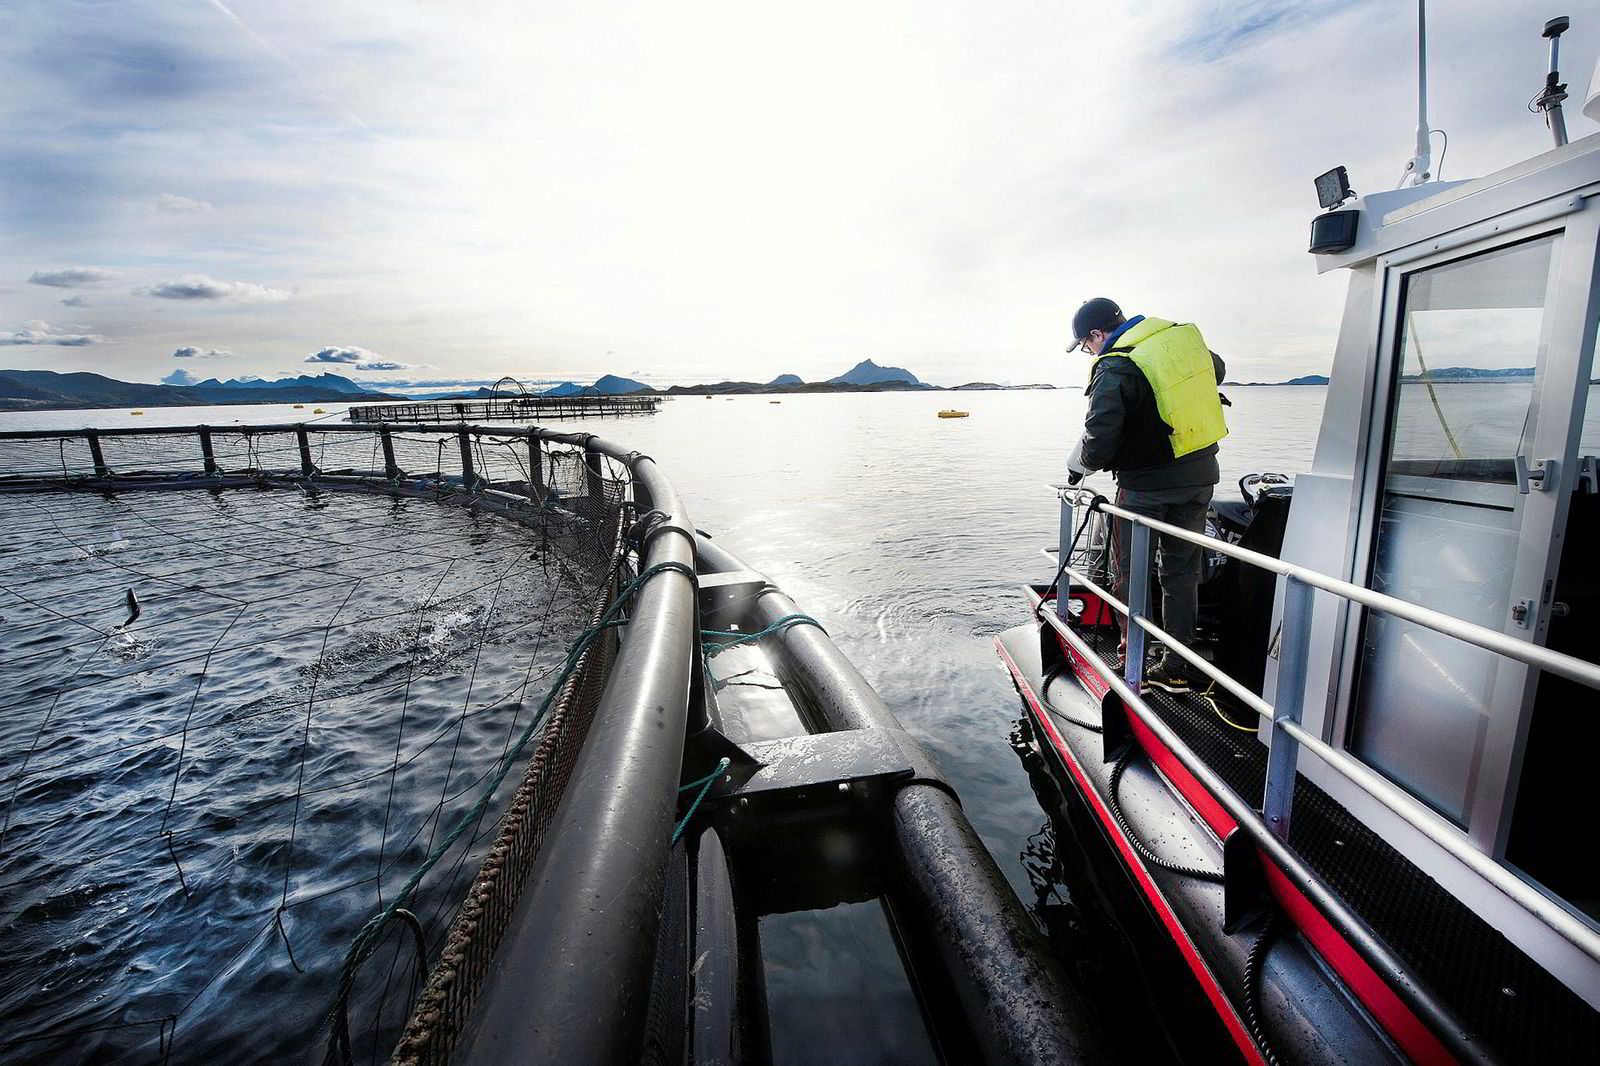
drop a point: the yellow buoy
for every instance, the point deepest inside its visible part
(319, 411)
(774, 401)
(298, 406)
(954, 414)
(136, 412)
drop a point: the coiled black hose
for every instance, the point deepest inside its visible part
(1253, 964)
(1138, 845)
(1044, 693)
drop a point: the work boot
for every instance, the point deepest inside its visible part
(1170, 673)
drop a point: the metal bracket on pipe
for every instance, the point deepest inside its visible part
(731, 578)
(1116, 731)
(821, 761)
(1244, 882)
(730, 588)
(655, 529)
(703, 750)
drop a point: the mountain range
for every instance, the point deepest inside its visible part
(42, 390)
(325, 382)
(1445, 375)
(46, 390)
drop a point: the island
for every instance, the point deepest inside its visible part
(48, 390)
(865, 376)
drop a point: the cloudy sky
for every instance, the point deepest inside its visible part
(689, 190)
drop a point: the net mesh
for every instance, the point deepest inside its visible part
(237, 721)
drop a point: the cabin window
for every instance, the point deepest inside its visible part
(1469, 340)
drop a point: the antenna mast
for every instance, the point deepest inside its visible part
(1555, 90)
(1418, 170)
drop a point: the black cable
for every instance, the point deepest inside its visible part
(1138, 845)
(1044, 692)
(1066, 555)
(1253, 965)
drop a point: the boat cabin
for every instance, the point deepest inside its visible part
(1457, 469)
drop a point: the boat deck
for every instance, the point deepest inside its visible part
(1519, 1009)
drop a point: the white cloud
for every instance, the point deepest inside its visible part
(180, 376)
(957, 178)
(358, 358)
(173, 204)
(346, 355)
(200, 287)
(43, 333)
(191, 352)
(72, 277)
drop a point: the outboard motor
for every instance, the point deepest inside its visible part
(1235, 599)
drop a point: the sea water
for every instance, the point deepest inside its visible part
(908, 537)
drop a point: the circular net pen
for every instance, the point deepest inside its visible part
(278, 752)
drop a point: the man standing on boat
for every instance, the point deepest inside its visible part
(1154, 420)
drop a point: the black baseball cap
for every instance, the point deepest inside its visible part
(1098, 313)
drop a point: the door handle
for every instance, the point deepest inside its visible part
(1541, 475)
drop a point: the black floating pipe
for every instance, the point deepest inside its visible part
(207, 452)
(536, 488)
(307, 467)
(571, 980)
(1018, 1001)
(391, 469)
(724, 1024)
(97, 454)
(468, 478)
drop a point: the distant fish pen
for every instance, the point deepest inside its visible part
(506, 409)
(260, 734)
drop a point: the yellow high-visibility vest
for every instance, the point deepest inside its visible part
(1176, 361)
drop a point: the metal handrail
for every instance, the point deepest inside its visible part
(1287, 735)
(1193, 658)
(1421, 1000)
(1585, 673)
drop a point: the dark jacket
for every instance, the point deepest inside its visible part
(1123, 432)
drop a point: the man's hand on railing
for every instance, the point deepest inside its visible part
(1076, 471)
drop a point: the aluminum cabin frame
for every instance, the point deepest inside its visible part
(1334, 523)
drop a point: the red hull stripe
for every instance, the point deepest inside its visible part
(1204, 803)
(1415, 1039)
(1180, 936)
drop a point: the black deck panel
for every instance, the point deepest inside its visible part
(1519, 1009)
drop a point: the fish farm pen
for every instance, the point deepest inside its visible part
(507, 408)
(432, 744)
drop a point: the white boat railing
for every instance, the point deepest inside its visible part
(1286, 734)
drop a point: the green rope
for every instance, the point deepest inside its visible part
(366, 940)
(731, 639)
(705, 784)
(712, 776)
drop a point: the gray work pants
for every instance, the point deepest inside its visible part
(1178, 561)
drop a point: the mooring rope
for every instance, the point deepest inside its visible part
(733, 638)
(705, 784)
